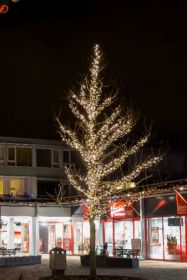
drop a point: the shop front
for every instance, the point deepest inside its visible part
(55, 232)
(166, 229)
(71, 234)
(122, 226)
(120, 232)
(15, 233)
(81, 230)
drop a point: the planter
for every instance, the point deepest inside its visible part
(105, 261)
(23, 260)
(87, 277)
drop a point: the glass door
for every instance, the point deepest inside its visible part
(155, 238)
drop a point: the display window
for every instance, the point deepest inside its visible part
(108, 235)
(51, 236)
(25, 237)
(81, 232)
(166, 238)
(123, 233)
(78, 242)
(3, 234)
(119, 233)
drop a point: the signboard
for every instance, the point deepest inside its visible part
(136, 244)
(119, 209)
(181, 204)
(85, 212)
(154, 235)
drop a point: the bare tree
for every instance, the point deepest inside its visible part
(101, 124)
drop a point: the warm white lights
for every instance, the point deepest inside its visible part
(100, 124)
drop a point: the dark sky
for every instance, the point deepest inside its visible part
(45, 45)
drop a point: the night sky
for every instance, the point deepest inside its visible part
(45, 46)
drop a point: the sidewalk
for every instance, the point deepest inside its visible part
(150, 270)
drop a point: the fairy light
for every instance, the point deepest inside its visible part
(88, 105)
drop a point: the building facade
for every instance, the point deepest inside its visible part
(30, 172)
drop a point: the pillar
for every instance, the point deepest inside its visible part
(10, 234)
(34, 237)
(142, 221)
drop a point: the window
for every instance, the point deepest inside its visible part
(43, 157)
(47, 188)
(48, 158)
(55, 158)
(15, 186)
(11, 156)
(2, 155)
(1, 186)
(20, 156)
(66, 157)
(23, 156)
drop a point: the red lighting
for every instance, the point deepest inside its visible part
(3, 8)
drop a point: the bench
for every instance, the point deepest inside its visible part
(7, 252)
(128, 253)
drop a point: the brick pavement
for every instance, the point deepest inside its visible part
(150, 270)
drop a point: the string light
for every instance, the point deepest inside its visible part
(100, 129)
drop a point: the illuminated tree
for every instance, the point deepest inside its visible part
(101, 126)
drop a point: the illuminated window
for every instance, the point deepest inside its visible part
(1, 186)
(15, 186)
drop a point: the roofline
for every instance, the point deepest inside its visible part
(17, 140)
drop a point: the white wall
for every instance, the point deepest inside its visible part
(33, 211)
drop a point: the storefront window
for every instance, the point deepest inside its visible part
(86, 237)
(52, 236)
(3, 234)
(172, 240)
(166, 238)
(25, 237)
(183, 239)
(78, 246)
(108, 236)
(137, 229)
(123, 231)
(67, 238)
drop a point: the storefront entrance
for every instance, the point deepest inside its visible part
(166, 238)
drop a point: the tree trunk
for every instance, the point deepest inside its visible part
(92, 249)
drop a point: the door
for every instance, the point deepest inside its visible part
(155, 238)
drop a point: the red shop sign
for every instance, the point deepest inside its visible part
(119, 209)
(181, 204)
(85, 212)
